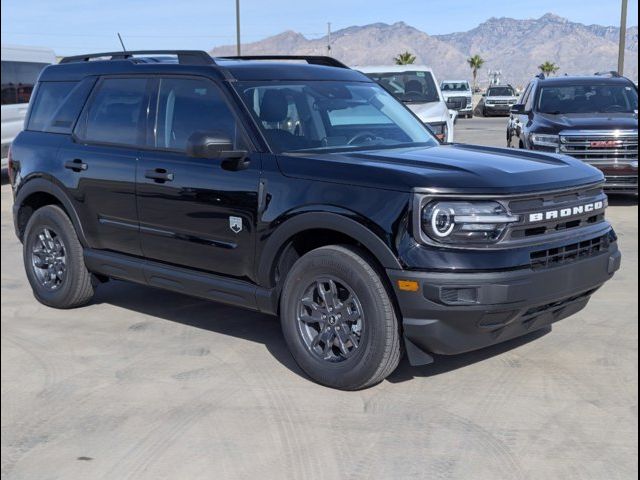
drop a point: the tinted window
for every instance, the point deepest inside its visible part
(116, 113)
(50, 96)
(501, 92)
(186, 106)
(326, 115)
(610, 98)
(18, 80)
(409, 87)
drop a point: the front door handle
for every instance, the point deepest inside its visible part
(159, 175)
(76, 165)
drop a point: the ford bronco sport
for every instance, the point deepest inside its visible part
(304, 190)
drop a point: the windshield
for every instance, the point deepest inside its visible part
(326, 115)
(588, 99)
(455, 87)
(500, 92)
(408, 87)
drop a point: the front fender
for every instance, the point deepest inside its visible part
(313, 220)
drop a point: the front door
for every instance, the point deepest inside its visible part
(193, 212)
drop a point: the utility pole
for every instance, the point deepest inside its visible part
(623, 36)
(329, 38)
(238, 52)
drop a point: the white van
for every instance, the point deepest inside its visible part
(416, 86)
(20, 69)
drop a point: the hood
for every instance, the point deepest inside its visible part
(456, 167)
(430, 112)
(587, 121)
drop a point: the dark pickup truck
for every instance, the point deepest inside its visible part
(593, 119)
(303, 190)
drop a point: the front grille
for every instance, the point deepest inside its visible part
(501, 102)
(555, 201)
(569, 253)
(618, 180)
(457, 103)
(601, 145)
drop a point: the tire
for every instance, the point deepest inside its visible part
(378, 350)
(73, 287)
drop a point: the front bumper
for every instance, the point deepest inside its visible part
(454, 313)
(501, 109)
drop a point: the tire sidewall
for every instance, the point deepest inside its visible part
(365, 362)
(47, 217)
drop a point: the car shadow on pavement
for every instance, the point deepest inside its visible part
(264, 329)
(197, 313)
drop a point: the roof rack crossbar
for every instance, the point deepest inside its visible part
(310, 59)
(185, 57)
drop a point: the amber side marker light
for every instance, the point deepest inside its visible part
(408, 285)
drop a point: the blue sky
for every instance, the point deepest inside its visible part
(75, 26)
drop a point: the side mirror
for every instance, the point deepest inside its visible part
(517, 109)
(213, 145)
(484, 95)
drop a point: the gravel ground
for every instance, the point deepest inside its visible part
(146, 384)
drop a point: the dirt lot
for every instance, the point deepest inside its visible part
(145, 384)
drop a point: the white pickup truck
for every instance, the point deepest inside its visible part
(459, 97)
(416, 87)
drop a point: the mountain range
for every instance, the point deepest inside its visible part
(515, 47)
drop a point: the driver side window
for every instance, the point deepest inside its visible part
(186, 106)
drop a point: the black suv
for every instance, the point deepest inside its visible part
(304, 190)
(594, 119)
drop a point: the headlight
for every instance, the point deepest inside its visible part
(634, 164)
(452, 222)
(545, 140)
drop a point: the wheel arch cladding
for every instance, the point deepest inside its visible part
(37, 193)
(279, 241)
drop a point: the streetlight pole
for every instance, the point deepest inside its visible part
(238, 52)
(623, 36)
(328, 38)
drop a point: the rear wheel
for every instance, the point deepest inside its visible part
(53, 260)
(338, 319)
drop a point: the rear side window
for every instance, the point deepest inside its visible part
(49, 98)
(186, 106)
(18, 80)
(116, 113)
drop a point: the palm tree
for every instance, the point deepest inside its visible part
(476, 62)
(405, 58)
(548, 68)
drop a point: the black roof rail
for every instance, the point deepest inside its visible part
(610, 73)
(185, 57)
(310, 59)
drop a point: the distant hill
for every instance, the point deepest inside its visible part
(516, 47)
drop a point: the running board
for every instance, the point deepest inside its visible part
(182, 280)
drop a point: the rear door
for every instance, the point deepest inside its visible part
(194, 212)
(100, 160)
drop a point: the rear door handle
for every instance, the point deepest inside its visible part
(76, 165)
(159, 175)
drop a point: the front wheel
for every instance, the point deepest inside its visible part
(338, 319)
